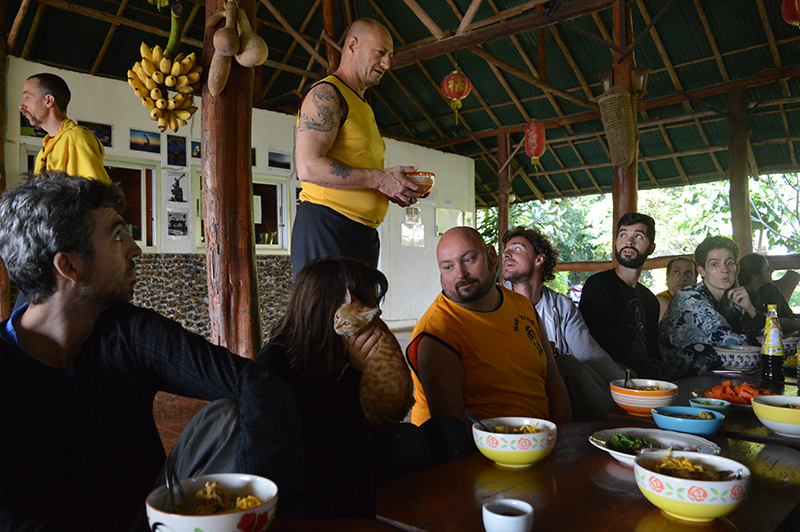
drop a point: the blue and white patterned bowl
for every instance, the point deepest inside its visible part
(790, 346)
(738, 356)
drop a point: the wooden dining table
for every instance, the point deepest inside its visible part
(580, 487)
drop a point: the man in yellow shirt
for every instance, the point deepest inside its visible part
(339, 153)
(481, 346)
(67, 147)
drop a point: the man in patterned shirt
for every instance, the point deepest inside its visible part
(715, 311)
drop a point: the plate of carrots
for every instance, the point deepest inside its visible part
(735, 394)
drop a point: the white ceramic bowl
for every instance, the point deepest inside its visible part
(256, 519)
(641, 402)
(738, 356)
(780, 420)
(790, 346)
(515, 450)
(691, 500)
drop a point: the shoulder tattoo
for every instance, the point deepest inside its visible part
(329, 108)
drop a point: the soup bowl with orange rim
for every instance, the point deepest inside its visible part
(642, 395)
(422, 179)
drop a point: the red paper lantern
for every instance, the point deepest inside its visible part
(790, 11)
(534, 141)
(455, 87)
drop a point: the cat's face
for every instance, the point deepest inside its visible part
(353, 316)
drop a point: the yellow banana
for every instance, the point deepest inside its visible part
(158, 77)
(135, 83)
(155, 94)
(178, 58)
(183, 114)
(148, 102)
(169, 81)
(188, 63)
(179, 98)
(162, 123)
(141, 92)
(148, 66)
(145, 52)
(140, 73)
(182, 122)
(186, 89)
(161, 103)
(197, 68)
(186, 102)
(156, 113)
(150, 84)
(175, 71)
(158, 54)
(173, 122)
(181, 81)
(171, 104)
(165, 66)
(193, 77)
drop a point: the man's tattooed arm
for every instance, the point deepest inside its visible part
(339, 169)
(329, 108)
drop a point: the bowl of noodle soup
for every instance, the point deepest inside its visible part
(515, 441)
(236, 503)
(706, 486)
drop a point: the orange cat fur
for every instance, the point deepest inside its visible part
(386, 391)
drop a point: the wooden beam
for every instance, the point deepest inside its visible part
(536, 82)
(37, 18)
(107, 42)
(14, 33)
(491, 33)
(423, 17)
(297, 37)
(228, 199)
(511, 12)
(468, 16)
(737, 157)
(329, 19)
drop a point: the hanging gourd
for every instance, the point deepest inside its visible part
(455, 87)
(790, 10)
(534, 142)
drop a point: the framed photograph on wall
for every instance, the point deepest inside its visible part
(101, 131)
(253, 157)
(148, 141)
(176, 150)
(195, 149)
(279, 160)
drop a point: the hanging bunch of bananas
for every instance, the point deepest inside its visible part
(156, 75)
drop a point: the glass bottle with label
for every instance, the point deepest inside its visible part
(772, 347)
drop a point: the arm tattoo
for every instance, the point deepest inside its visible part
(342, 170)
(329, 107)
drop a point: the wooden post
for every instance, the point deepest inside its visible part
(5, 284)
(624, 185)
(228, 199)
(503, 186)
(737, 157)
(329, 21)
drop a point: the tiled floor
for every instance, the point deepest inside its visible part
(173, 412)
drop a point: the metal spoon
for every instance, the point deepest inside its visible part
(627, 377)
(474, 420)
(176, 497)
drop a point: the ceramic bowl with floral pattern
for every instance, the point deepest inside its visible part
(255, 519)
(511, 449)
(738, 356)
(692, 500)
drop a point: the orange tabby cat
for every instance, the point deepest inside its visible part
(386, 388)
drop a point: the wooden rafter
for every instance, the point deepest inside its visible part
(423, 17)
(20, 16)
(468, 16)
(37, 18)
(297, 37)
(107, 41)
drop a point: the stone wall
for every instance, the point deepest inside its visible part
(175, 286)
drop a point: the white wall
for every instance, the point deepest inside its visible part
(412, 272)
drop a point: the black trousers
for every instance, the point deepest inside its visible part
(320, 231)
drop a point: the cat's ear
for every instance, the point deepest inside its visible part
(372, 314)
(347, 297)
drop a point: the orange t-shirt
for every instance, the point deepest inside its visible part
(501, 352)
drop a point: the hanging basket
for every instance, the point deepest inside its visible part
(619, 121)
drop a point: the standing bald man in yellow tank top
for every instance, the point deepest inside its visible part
(339, 152)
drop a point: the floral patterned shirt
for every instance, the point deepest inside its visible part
(695, 322)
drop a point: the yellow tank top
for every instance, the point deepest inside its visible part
(358, 144)
(501, 352)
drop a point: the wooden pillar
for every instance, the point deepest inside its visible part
(329, 21)
(624, 186)
(228, 199)
(5, 285)
(503, 186)
(738, 135)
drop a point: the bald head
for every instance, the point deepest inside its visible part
(467, 269)
(366, 54)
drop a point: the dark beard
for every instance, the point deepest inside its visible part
(483, 288)
(635, 263)
(515, 278)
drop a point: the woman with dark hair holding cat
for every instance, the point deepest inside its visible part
(351, 392)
